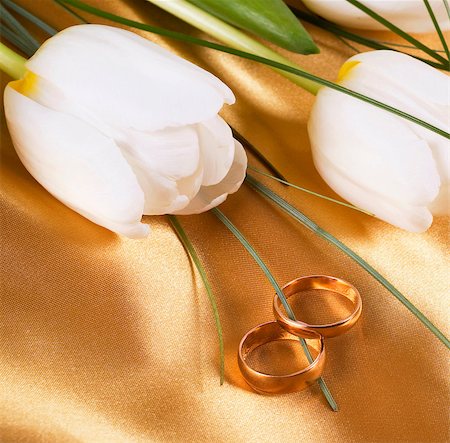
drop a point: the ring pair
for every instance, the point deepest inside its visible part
(285, 328)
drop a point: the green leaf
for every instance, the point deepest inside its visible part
(269, 19)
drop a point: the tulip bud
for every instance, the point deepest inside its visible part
(378, 161)
(409, 15)
(115, 127)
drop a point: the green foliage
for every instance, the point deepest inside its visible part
(249, 56)
(308, 223)
(269, 19)
(346, 34)
(251, 250)
(198, 264)
(409, 38)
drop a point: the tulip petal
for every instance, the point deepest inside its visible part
(375, 151)
(409, 217)
(403, 81)
(413, 87)
(171, 152)
(217, 145)
(409, 15)
(210, 196)
(77, 164)
(440, 206)
(167, 164)
(127, 81)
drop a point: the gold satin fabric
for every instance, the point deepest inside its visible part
(106, 339)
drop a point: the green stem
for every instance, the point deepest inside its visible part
(231, 36)
(402, 45)
(447, 7)
(9, 20)
(398, 31)
(307, 222)
(437, 27)
(258, 154)
(316, 194)
(29, 16)
(72, 13)
(346, 43)
(235, 231)
(11, 63)
(368, 42)
(16, 40)
(193, 254)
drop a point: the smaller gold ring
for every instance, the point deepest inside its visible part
(332, 284)
(278, 384)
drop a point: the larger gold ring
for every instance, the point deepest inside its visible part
(333, 284)
(278, 384)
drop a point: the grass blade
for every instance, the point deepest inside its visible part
(190, 249)
(16, 40)
(258, 154)
(29, 16)
(346, 43)
(402, 45)
(316, 194)
(72, 13)
(368, 42)
(280, 66)
(307, 222)
(15, 25)
(437, 27)
(221, 216)
(398, 31)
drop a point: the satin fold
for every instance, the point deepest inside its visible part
(105, 339)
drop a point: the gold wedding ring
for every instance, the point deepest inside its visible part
(279, 384)
(331, 284)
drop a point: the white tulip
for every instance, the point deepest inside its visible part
(380, 162)
(409, 15)
(115, 127)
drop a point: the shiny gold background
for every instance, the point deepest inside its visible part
(106, 339)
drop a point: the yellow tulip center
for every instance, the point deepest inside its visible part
(346, 68)
(27, 85)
